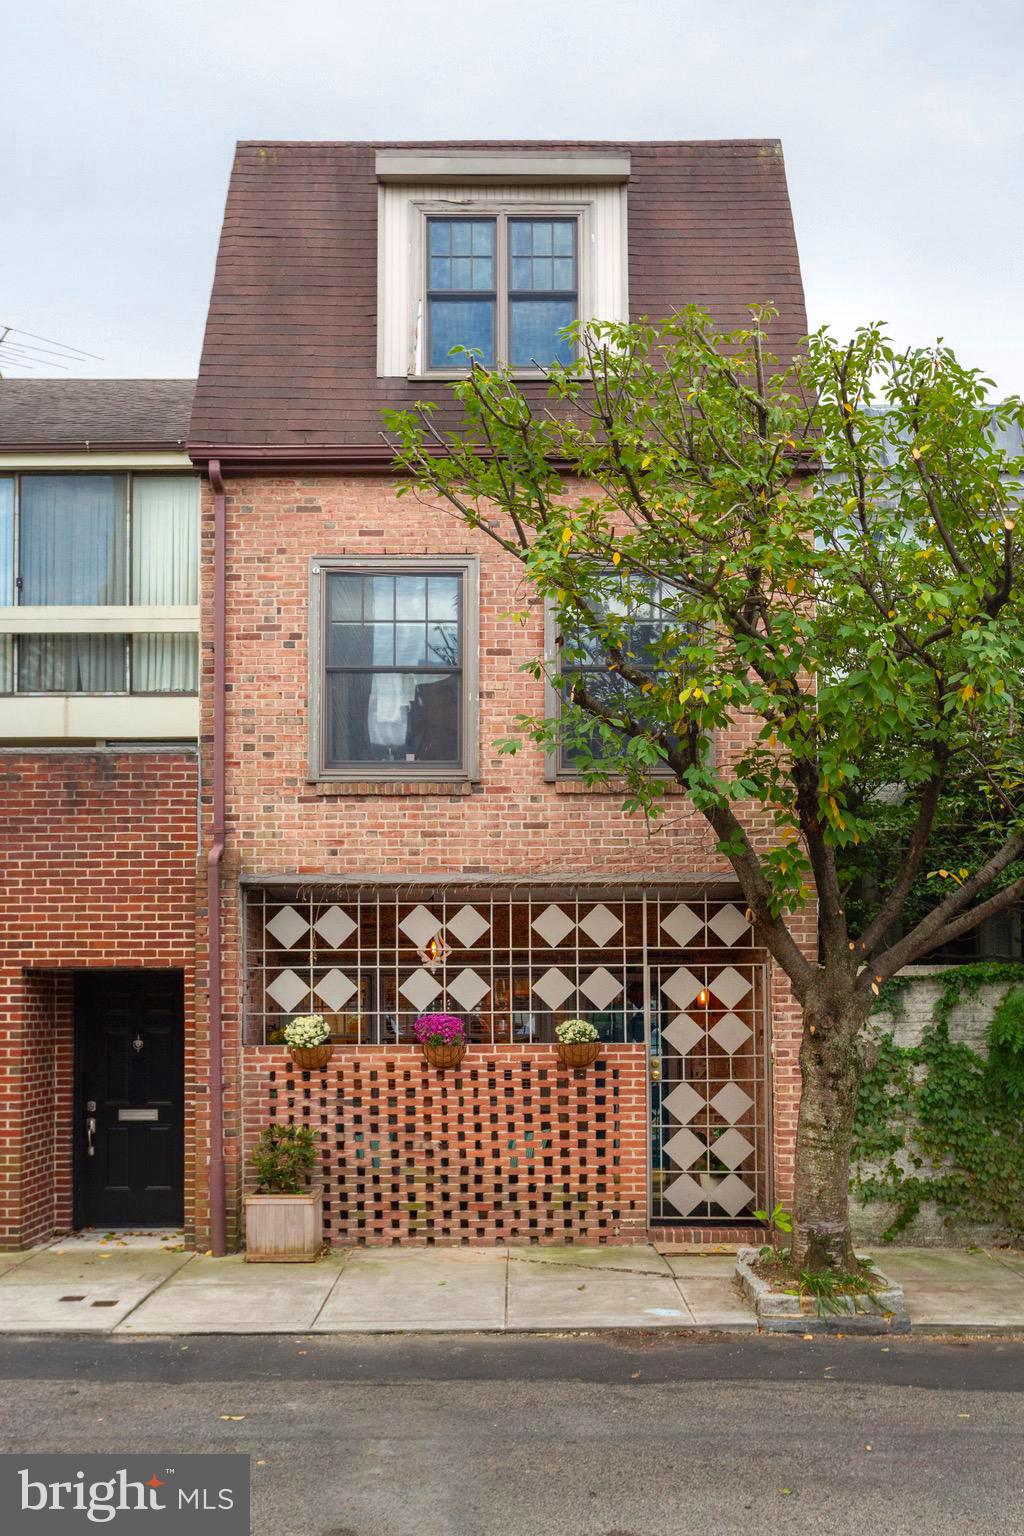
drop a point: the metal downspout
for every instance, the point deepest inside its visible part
(218, 1242)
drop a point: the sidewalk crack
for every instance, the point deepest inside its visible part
(159, 1287)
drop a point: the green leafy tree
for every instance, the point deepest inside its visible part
(730, 538)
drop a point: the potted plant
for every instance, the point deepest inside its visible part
(442, 1037)
(578, 1044)
(284, 1219)
(308, 1037)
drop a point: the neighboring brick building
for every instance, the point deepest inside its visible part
(99, 519)
(379, 856)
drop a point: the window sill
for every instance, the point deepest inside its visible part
(567, 786)
(340, 789)
(538, 375)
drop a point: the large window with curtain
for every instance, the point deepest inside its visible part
(99, 541)
(394, 668)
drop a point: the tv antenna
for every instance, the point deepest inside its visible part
(27, 353)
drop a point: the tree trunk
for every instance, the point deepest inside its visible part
(831, 1066)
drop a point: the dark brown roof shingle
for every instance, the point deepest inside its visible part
(103, 413)
(289, 356)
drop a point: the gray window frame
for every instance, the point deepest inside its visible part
(501, 213)
(554, 771)
(468, 567)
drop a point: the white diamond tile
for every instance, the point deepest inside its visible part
(682, 987)
(731, 1102)
(684, 1102)
(553, 924)
(467, 926)
(732, 1148)
(420, 988)
(288, 990)
(287, 926)
(728, 924)
(600, 925)
(335, 989)
(732, 1195)
(682, 924)
(467, 988)
(685, 1194)
(729, 986)
(730, 1033)
(553, 987)
(600, 987)
(334, 927)
(682, 1034)
(684, 1148)
(420, 926)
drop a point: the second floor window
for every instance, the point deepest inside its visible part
(393, 669)
(583, 661)
(505, 285)
(90, 541)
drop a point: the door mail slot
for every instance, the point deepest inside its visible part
(138, 1114)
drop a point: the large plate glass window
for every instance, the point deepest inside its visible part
(99, 541)
(505, 286)
(394, 668)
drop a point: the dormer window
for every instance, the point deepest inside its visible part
(506, 287)
(498, 253)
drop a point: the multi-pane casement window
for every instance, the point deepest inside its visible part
(99, 583)
(505, 285)
(393, 668)
(579, 660)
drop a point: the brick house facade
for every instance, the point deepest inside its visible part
(497, 888)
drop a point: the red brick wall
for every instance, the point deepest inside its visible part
(98, 871)
(512, 823)
(509, 1148)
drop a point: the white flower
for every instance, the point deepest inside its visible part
(307, 1030)
(576, 1032)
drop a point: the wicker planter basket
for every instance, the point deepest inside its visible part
(441, 1057)
(310, 1058)
(579, 1056)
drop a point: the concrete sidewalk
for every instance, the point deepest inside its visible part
(148, 1284)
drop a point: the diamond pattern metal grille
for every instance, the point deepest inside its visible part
(644, 966)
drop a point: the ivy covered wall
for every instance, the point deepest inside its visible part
(939, 1152)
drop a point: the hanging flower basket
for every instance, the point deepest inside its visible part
(579, 1056)
(308, 1038)
(441, 1057)
(311, 1057)
(442, 1038)
(578, 1045)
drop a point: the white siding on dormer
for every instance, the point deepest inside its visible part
(604, 291)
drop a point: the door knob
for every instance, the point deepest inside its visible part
(90, 1135)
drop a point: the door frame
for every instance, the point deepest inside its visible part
(763, 1025)
(78, 1073)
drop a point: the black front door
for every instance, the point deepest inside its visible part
(130, 1080)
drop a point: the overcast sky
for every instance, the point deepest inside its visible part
(901, 124)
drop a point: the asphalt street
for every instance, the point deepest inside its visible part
(618, 1435)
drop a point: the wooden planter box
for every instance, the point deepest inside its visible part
(284, 1229)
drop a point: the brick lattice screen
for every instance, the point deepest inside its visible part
(511, 1147)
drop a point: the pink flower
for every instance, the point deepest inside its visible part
(439, 1029)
